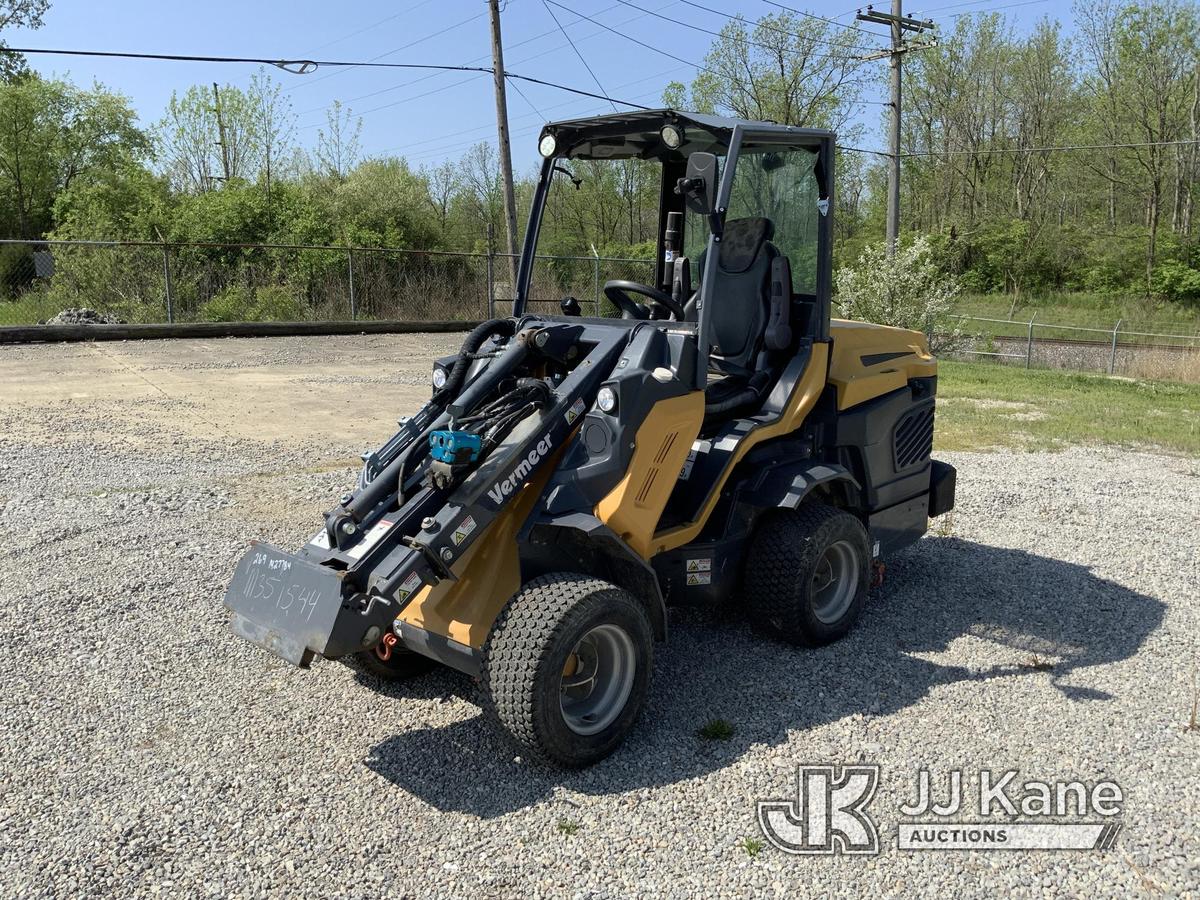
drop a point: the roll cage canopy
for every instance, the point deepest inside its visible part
(642, 135)
(638, 135)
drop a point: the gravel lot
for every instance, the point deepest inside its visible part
(1051, 627)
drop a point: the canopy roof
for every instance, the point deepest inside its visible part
(636, 134)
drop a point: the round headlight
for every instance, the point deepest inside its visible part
(606, 399)
(439, 377)
(672, 136)
(547, 145)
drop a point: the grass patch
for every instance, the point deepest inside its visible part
(752, 846)
(715, 730)
(567, 826)
(1086, 310)
(984, 405)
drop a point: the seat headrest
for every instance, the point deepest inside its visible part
(741, 241)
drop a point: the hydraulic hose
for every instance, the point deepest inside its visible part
(391, 478)
(751, 392)
(474, 340)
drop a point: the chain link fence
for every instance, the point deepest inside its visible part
(138, 282)
(1132, 352)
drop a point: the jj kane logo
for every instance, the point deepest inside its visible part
(829, 813)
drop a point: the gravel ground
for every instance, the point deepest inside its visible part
(1051, 627)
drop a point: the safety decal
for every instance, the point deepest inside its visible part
(575, 411)
(699, 578)
(464, 529)
(320, 539)
(370, 539)
(686, 472)
(701, 564)
(407, 586)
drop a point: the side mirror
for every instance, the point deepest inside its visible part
(699, 188)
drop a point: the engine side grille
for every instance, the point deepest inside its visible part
(912, 440)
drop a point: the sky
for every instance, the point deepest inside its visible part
(427, 117)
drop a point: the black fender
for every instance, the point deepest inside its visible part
(581, 542)
(785, 486)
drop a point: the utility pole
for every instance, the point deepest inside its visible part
(898, 23)
(221, 132)
(506, 174)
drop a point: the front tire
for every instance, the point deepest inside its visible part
(566, 668)
(806, 574)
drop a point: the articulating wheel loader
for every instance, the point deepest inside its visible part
(723, 440)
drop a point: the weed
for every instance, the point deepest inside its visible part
(752, 846)
(945, 525)
(716, 730)
(567, 826)
(1037, 664)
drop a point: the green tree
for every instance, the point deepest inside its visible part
(53, 136)
(22, 14)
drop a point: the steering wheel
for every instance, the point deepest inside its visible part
(616, 291)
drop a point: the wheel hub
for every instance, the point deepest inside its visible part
(597, 679)
(835, 582)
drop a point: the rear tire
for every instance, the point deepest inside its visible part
(807, 574)
(566, 668)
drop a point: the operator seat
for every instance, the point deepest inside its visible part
(749, 316)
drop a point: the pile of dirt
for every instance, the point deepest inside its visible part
(82, 316)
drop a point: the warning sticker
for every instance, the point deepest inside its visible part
(464, 529)
(699, 578)
(701, 564)
(686, 471)
(407, 586)
(370, 539)
(575, 411)
(320, 539)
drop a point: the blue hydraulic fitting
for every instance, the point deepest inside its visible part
(455, 447)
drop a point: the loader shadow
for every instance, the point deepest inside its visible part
(1045, 619)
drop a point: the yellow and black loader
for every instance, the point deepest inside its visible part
(723, 441)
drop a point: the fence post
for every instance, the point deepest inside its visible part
(596, 280)
(1112, 359)
(168, 284)
(491, 273)
(353, 298)
(1029, 343)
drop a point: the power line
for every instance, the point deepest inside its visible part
(382, 21)
(991, 9)
(304, 66)
(407, 46)
(988, 151)
(740, 39)
(761, 24)
(809, 15)
(484, 56)
(576, 49)
(477, 129)
(516, 87)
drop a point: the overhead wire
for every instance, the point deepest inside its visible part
(739, 39)
(304, 66)
(485, 56)
(576, 49)
(407, 46)
(661, 52)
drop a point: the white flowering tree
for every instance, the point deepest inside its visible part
(908, 290)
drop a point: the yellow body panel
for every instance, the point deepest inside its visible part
(812, 382)
(632, 508)
(856, 381)
(489, 573)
